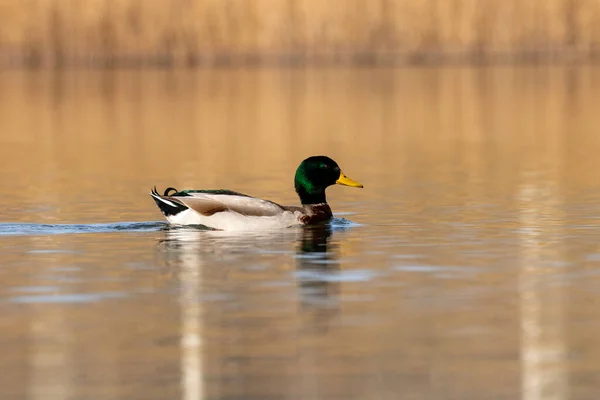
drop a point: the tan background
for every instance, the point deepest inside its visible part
(184, 32)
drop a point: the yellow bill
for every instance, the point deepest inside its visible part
(344, 180)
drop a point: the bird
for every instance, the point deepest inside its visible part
(227, 210)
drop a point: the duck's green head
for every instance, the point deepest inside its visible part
(314, 175)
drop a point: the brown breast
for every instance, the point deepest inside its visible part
(314, 213)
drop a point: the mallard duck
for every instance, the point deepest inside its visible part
(228, 210)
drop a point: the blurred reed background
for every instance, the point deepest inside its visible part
(223, 32)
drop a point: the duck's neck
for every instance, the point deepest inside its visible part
(311, 197)
(314, 203)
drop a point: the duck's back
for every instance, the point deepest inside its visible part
(224, 210)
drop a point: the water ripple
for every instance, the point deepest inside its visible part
(66, 298)
(26, 229)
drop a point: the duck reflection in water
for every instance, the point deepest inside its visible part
(215, 254)
(317, 264)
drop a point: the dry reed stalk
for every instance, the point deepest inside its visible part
(181, 31)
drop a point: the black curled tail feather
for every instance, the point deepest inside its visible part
(166, 193)
(167, 206)
(167, 190)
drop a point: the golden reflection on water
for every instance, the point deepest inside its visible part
(472, 271)
(544, 350)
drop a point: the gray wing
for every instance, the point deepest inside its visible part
(209, 204)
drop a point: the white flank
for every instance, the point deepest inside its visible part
(233, 221)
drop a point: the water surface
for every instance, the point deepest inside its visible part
(467, 268)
